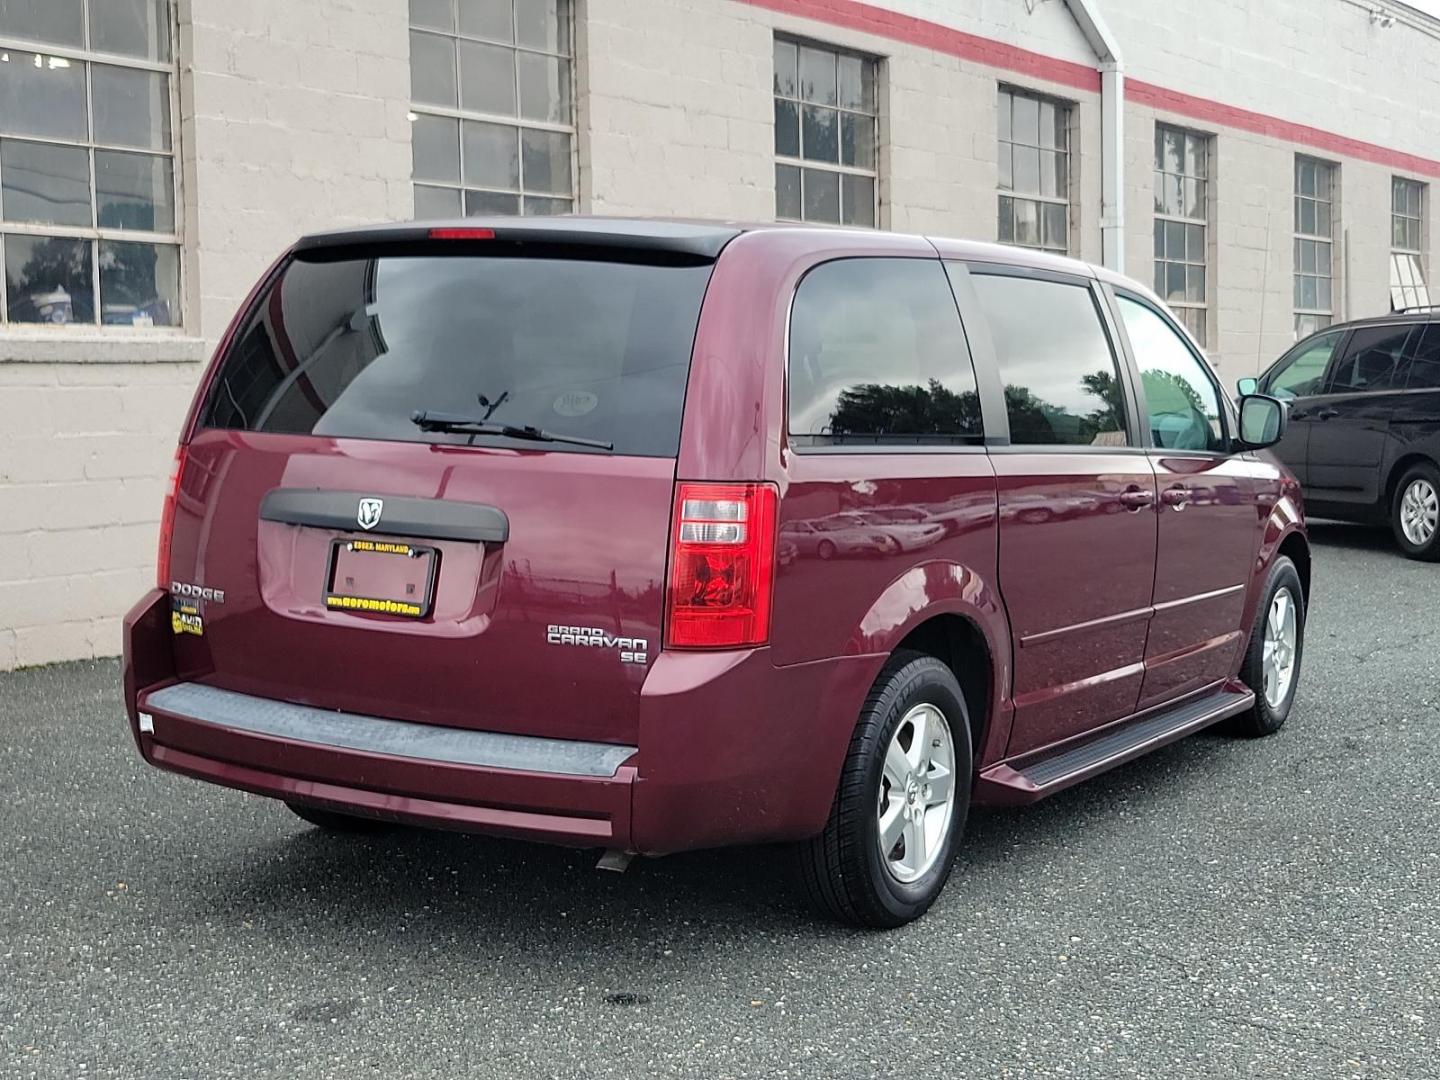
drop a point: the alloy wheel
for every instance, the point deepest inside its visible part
(1419, 512)
(1281, 640)
(917, 794)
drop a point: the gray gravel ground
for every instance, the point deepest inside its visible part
(1220, 909)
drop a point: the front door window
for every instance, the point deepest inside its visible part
(1303, 372)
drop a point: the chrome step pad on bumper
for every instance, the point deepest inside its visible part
(376, 735)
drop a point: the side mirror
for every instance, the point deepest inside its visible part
(1247, 386)
(1262, 422)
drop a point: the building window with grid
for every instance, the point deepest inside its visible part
(88, 222)
(1407, 244)
(825, 134)
(1182, 214)
(1034, 162)
(1314, 244)
(492, 113)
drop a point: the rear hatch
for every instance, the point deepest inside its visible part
(363, 561)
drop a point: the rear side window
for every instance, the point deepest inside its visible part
(1062, 385)
(1425, 366)
(1373, 361)
(350, 348)
(1302, 372)
(877, 356)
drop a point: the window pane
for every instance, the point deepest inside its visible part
(1027, 223)
(1005, 105)
(1174, 240)
(1061, 382)
(432, 70)
(543, 24)
(1172, 151)
(1305, 178)
(539, 206)
(1372, 361)
(1170, 194)
(1195, 284)
(1026, 120)
(435, 147)
(487, 78)
(439, 14)
(1174, 283)
(544, 88)
(857, 141)
(786, 62)
(130, 27)
(486, 203)
(44, 184)
(877, 355)
(1005, 231)
(1027, 170)
(1197, 155)
(56, 22)
(1054, 230)
(1300, 373)
(857, 84)
(1182, 404)
(42, 95)
(436, 202)
(139, 284)
(818, 76)
(491, 153)
(1323, 225)
(1006, 173)
(821, 132)
(134, 191)
(1305, 217)
(787, 192)
(1194, 202)
(484, 18)
(1308, 293)
(1195, 243)
(859, 200)
(132, 108)
(822, 196)
(546, 161)
(48, 279)
(1160, 239)
(787, 128)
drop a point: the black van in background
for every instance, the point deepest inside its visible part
(1364, 431)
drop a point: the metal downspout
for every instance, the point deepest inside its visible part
(1086, 14)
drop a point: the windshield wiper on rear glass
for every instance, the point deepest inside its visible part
(469, 425)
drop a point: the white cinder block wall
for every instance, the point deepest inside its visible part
(293, 117)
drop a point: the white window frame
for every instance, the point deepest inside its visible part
(803, 163)
(460, 114)
(94, 234)
(1408, 288)
(1004, 145)
(1194, 314)
(1331, 170)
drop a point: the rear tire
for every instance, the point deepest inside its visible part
(845, 871)
(826, 550)
(334, 821)
(1415, 512)
(1269, 651)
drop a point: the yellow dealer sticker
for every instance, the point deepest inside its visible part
(382, 607)
(185, 617)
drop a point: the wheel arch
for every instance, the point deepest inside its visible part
(1402, 465)
(1295, 547)
(957, 641)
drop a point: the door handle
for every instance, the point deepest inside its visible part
(1326, 414)
(1176, 498)
(1135, 498)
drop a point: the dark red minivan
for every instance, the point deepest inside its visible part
(651, 536)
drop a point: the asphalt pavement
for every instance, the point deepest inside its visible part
(1220, 909)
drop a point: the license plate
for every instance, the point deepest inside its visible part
(380, 577)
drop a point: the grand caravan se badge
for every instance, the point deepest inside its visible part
(633, 650)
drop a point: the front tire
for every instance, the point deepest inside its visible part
(902, 801)
(1415, 512)
(334, 821)
(1272, 659)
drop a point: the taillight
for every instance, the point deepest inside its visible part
(462, 233)
(167, 521)
(722, 566)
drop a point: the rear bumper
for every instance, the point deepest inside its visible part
(731, 750)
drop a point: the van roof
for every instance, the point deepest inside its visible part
(695, 238)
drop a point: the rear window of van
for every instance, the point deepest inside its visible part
(353, 347)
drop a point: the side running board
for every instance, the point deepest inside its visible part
(1026, 779)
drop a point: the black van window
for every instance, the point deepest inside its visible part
(351, 348)
(1373, 361)
(1062, 385)
(877, 356)
(1300, 373)
(1425, 365)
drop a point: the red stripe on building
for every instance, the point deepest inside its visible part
(882, 22)
(866, 18)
